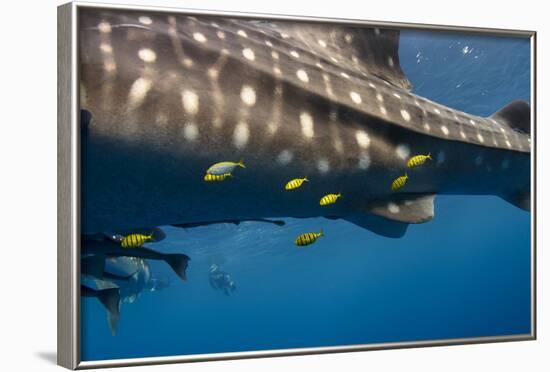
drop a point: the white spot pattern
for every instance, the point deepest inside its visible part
(138, 91)
(249, 54)
(403, 151)
(364, 161)
(405, 114)
(199, 37)
(147, 55)
(306, 121)
(190, 131)
(302, 75)
(323, 165)
(285, 157)
(248, 95)
(393, 208)
(106, 48)
(355, 97)
(363, 139)
(190, 101)
(145, 20)
(104, 27)
(241, 135)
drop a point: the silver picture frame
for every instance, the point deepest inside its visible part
(68, 203)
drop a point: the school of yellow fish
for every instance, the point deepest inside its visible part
(413, 162)
(224, 170)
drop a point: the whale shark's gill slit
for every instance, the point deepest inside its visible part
(217, 95)
(334, 131)
(276, 110)
(108, 62)
(173, 33)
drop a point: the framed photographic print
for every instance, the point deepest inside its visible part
(242, 185)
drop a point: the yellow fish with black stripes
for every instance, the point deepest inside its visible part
(224, 167)
(330, 199)
(308, 238)
(216, 177)
(295, 183)
(135, 240)
(399, 182)
(418, 160)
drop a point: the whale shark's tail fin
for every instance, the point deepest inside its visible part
(178, 262)
(516, 115)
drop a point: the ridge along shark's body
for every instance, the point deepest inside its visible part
(167, 96)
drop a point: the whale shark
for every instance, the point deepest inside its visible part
(165, 96)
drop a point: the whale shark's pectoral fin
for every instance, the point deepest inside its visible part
(379, 225)
(405, 208)
(516, 115)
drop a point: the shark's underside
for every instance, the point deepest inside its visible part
(165, 96)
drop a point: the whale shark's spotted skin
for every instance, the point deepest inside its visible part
(171, 94)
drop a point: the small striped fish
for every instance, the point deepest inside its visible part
(224, 167)
(399, 182)
(216, 177)
(135, 240)
(418, 160)
(308, 238)
(329, 199)
(295, 183)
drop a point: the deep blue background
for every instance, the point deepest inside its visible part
(465, 274)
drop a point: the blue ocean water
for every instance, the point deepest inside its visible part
(464, 274)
